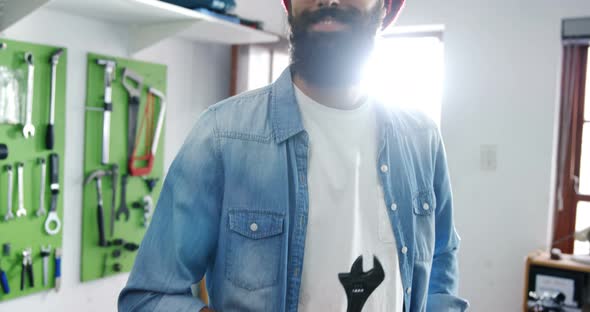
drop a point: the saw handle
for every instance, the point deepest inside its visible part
(141, 171)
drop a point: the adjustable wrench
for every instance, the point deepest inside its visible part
(21, 211)
(50, 138)
(360, 285)
(28, 128)
(9, 215)
(52, 217)
(43, 166)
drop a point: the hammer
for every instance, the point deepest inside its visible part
(96, 176)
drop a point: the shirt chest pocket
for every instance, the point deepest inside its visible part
(254, 248)
(424, 209)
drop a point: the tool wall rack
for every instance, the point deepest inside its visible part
(29, 231)
(102, 261)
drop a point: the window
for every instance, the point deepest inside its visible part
(572, 211)
(583, 202)
(407, 70)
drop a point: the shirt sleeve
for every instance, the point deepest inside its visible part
(181, 240)
(444, 279)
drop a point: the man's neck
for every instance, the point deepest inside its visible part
(340, 98)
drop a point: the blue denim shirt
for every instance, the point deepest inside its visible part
(246, 162)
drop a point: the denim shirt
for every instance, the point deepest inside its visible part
(234, 206)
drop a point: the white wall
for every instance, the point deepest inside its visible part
(198, 75)
(502, 63)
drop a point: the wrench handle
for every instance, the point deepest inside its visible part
(50, 137)
(54, 173)
(22, 276)
(30, 273)
(20, 176)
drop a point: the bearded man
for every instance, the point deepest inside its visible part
(308, 194)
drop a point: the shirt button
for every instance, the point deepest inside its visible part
(409, 290)
(394, 206)
(254, 227)
(405, 250)
(384, 168)
(426, 206)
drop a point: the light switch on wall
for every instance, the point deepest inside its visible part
(488, 158)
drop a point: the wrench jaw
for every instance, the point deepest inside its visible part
(28, 131)
(8, 216)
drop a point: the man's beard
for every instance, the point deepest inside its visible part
(333, 59)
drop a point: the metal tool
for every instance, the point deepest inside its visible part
(360, 285)
(27, 269)
(134, 84)
(42, 178)
(147, 204)
(151, 183)
(28, 127)
(50, 135)
(109, 77)
(153, 143)
(52, 223)
(3, 151)
(57, 274)
(9, 215)
(45, 253)
(114, 180)
(21, 211)
(96, 176)
(123, 210)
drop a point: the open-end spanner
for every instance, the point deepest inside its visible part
(41, 211)
(21, 211)
(28, 127)
(9, 215)
(123, 209)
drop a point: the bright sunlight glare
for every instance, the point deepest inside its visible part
(407, 72)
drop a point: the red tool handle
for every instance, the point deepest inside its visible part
(141, 171)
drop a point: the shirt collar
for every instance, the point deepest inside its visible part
(285, 117)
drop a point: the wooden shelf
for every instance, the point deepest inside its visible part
(148, 21)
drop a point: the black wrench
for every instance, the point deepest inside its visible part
(123, 210)
(360, 285)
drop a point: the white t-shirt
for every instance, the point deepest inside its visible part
(347, 213)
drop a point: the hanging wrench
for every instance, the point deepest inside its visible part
(41, 210)
(52, 217)
(28, 128)
(9, 215)
(50, 137)
(21, 211)
(123, 210)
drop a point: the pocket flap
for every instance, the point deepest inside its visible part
(256, 224)
(424, 202)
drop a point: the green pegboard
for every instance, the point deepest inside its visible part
(29, 231)
(97, 261)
